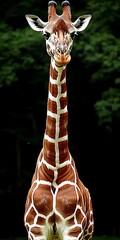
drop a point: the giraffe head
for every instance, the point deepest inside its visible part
(59, 31)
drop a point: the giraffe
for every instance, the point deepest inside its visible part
(58, 205)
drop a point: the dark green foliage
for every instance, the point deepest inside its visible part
(20, 55)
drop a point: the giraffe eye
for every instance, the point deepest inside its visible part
(46, 35)
(73, 35)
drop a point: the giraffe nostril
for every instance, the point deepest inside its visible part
(61, 49)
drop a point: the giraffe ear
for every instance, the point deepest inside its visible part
(35, 22)
(82, 22)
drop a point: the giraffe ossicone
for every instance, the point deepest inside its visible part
(58, 205)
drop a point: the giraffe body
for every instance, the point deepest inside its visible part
(58, 205)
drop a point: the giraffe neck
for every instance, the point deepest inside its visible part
(55, 142)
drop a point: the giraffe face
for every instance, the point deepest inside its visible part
(59, 31)
(59, 42)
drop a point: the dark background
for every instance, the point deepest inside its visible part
(93, 79)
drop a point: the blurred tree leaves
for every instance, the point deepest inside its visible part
(19, 55)
(22, 70)
(98, 51)
(108, 108)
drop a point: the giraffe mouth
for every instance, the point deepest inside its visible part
(62, 59)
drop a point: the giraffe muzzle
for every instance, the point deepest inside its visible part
(62, 59)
